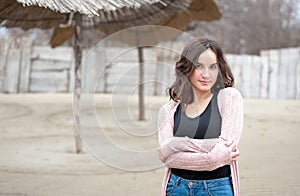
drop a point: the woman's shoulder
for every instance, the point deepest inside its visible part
(166, 110)
(229, 97)
(170, 105)
(230, 92)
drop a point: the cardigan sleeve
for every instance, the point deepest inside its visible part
(169, 145)
(181, 152)
(199, 161)
(202, 154)
(231, 109)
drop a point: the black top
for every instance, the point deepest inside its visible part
(206, 125)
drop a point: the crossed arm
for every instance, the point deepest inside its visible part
(203, 154)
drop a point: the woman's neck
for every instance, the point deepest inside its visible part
(202, 96)
(197, 107)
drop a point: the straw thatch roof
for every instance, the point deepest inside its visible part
(198, 10)
(172, 13)
(88, 7)
(13, 14)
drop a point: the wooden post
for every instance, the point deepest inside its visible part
(25, 65)
(77, 91)
(255, 75)
(292, 72)
(298, 76)
(273, 73)
(141, 84)
(264, 84)
(141, 76)
(12, 71)
(157, 71)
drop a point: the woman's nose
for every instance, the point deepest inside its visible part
(205, 73)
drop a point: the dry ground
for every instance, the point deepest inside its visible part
(37, 149)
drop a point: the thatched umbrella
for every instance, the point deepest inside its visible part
(110, 16)
(123, 13)
(197, 11)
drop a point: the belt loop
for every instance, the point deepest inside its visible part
(177, 181)
(205, 184)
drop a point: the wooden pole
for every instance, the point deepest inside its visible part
(77, 91)
(141, 84)
(141, 76)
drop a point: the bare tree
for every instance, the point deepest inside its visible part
(247, 26)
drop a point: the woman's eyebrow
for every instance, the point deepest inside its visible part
(203, 64)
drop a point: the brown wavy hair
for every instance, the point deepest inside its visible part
(181, 89)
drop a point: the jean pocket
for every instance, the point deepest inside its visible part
(172, 183)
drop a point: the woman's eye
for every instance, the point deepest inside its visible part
(213, 67)
(199, 66)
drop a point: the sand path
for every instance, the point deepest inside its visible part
(37, 150)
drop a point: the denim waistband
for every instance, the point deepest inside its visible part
(201, 183)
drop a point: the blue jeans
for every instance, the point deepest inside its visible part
(178, 186)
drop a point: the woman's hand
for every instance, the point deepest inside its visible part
(174, 145)
(234, 150)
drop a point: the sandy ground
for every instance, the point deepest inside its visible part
(37, 149)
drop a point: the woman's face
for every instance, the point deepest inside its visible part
(206, 72)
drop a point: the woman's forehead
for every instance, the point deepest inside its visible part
(207, 57)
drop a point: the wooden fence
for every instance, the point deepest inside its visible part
(26, 68)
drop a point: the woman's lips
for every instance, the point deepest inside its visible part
(204, 82)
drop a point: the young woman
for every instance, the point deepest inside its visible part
(199, 129)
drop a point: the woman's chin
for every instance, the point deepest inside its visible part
(203, 88)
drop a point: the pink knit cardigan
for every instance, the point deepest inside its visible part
(202, 154)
